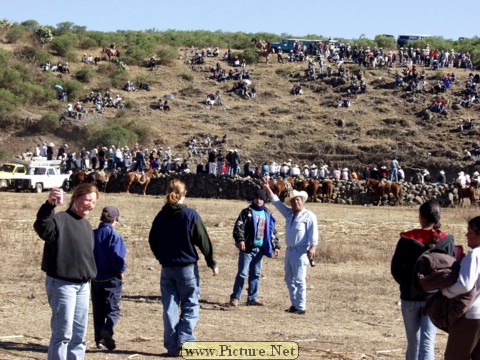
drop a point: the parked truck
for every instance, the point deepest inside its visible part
(11, 170)
(42, 175)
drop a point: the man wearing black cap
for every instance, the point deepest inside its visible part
(109, 254)
(254, 233)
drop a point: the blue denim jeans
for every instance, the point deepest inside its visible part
(248, 264)
(69, 303)
(420, 331)
(179, 288)
(106, 296)
(394, 175)
(296, 262)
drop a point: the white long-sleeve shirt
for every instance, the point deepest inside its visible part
(301, 230)
(468, 277)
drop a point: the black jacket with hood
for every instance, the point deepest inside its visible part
(410, 247)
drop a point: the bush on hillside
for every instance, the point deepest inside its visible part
(86, 75)
(113, 134)
(86, 43)
(48, 123)
(250, 56)
(64, 44)
(16, 34)
(74, 89)
(167, 56)
(8, 102)
(386, 42)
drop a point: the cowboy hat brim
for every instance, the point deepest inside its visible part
(294, 194)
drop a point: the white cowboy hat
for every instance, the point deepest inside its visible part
(476, 173)
(461, 173)
(313, 166)
(295, 194)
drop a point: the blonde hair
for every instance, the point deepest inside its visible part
(83, 189)
(176, 189)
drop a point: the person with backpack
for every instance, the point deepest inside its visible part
(420, 330)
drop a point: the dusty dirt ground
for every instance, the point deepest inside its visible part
(353, 302)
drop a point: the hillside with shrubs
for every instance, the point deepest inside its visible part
(384, 122)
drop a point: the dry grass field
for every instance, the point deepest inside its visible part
(353, 310)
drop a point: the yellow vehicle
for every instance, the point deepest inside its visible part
(11, 170)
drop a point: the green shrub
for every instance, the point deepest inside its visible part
(251, 56)
(15, 34)
(113, 134)
(74, 89)
(167, 56)
(87, 43)
(64, 44)
(48, 123)
(85, 75)
(8, 102)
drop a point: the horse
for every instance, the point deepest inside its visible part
(382, 188)
(78, 177)
(312, 189)
(466, 193)
(142, 178)
(280, 187)
(110, 53)
(99, 178)
(263, 47)
(327, 190)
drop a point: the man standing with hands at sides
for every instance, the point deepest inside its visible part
(301, 237)
(176, 232)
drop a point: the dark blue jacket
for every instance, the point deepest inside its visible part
(109, 252)
(175, 232)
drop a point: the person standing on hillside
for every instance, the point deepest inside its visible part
(301, 237)
(394, 170)
(419, 329)
(110, 255)
(69, 264)
(50, 151)
(175, 232)
(254, 234)
(235, 162)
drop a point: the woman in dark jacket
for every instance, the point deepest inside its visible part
(419, 329)
(175, 234)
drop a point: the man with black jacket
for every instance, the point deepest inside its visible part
(254, 233)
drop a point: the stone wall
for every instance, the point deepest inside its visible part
(238, 188)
